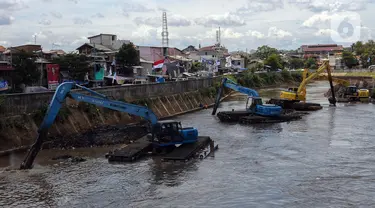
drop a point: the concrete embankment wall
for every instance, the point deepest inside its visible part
(23, 113)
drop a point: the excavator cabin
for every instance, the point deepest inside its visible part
(170, 131)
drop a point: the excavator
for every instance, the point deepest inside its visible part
(254, 103)
(164, 134)
(255, 111)
(352, 93)
(291, 99)
(299, 94)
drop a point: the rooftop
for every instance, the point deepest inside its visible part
(207, 48)
(2, 49)
(96, 46)
(322, 47)
(100, 35)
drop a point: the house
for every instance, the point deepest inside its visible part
(153, 54)
(108, 40)
(213, 54)
(190, 48)
(105, 45)
(49, 55)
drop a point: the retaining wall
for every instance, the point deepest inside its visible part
(16, 104)
(24, 112)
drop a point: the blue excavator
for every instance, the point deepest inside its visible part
(254, 103)
(255, 111)
(164, 134)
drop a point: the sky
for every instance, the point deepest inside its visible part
(245, 24)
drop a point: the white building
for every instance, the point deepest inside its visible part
(108, 40)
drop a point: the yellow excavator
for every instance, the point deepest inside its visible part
(295, 98)
(352, 93)
(299, 94)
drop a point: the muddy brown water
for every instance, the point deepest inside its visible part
(327, 159)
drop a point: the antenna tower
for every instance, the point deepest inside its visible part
(164, 35)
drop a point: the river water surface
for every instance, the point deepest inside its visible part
(327, 159)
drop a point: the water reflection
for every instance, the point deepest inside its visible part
(171, 173)
(262, 127)
(26, 189)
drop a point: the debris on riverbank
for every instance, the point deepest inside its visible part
(340, 90)
(101, 136)
(70, 158)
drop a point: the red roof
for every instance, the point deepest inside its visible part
(323, 47)
(2, 49)
(207, 48)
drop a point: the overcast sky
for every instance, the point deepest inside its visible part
(245, 24)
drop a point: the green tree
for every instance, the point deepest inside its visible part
(26, 71)
(274, 61)
(196, 66)
(296, 63)
(263, 52)
(310, 63)
(77, 65)
(349, 59)
(259, 66)
(127, 55)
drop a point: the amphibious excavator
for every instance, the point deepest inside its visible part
(163, 134)
(255, 111)
(295, 98)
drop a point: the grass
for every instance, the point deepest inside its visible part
(370, 74)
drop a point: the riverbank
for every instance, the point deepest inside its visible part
(85, 125)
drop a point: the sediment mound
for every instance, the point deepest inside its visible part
(102, 136)
(339, 91)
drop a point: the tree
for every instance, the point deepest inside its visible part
(263, 52)
(296, 63)
(77, 65)
(196, 66)
(127, 56)
(274, 61)
(310, 63)
(26, 71)
(349, 59)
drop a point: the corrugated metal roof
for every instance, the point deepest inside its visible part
(97, 46)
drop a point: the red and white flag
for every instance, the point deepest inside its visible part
(158, 64)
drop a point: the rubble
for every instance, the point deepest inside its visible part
(102, 136)
(340, 90)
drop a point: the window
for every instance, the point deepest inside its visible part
(205, 53)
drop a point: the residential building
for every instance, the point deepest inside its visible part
(323, 51)
(235, 62)
(214, 53)
(320, 50)
(151, 53)
(190, 48)
(108, 40)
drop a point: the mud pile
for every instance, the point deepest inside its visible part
(102, 136)
(339, 91)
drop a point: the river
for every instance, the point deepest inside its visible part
(327, 159)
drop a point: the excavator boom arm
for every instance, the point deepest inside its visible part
(234, 86)
(58, 99)
(324, 66)
(312, 76)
